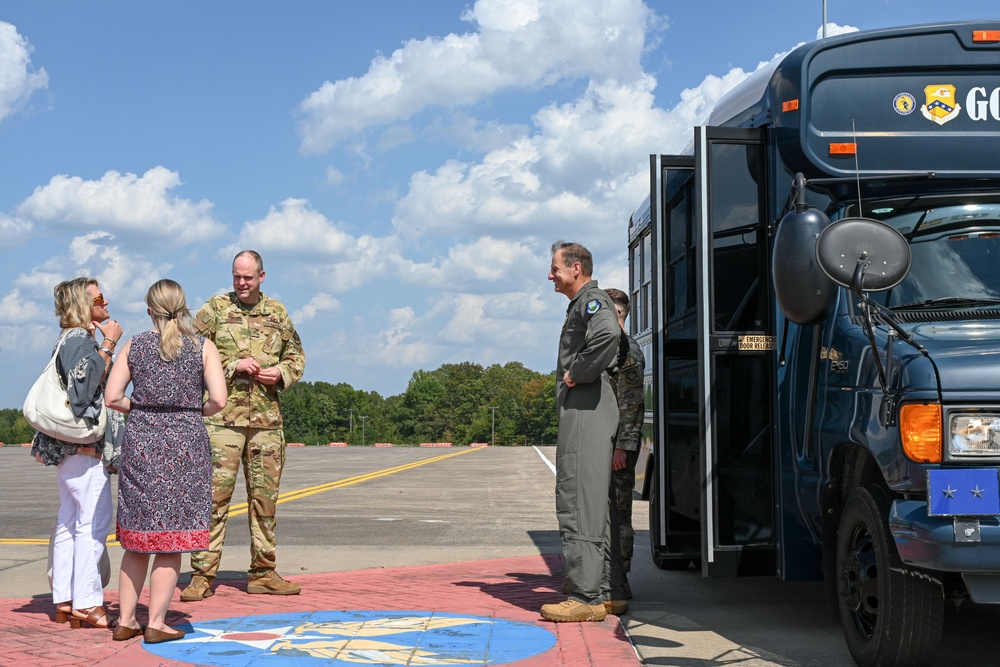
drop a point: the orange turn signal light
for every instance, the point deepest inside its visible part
(981, 36)
(790, 105)
(843, 149)
(920, 431)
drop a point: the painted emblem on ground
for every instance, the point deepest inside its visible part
(351, 638)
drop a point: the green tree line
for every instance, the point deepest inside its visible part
(13, 429)
(457, 403)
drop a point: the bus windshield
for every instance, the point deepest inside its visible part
(955, 246)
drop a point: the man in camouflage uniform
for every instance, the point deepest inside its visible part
(262, 356)
(588, 348)
(628, 389)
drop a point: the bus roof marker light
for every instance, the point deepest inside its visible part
(986, 36)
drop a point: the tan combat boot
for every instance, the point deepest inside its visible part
(616, 607)
(199, 589)
(573, 611)
(270, 583)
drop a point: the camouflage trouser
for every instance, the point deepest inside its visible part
(624, 483)
(262, 452)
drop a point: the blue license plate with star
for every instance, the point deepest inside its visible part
(963, 492)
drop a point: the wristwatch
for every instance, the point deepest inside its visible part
(106, 351)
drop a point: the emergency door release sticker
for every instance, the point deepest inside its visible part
(749, 343)
(963, 492)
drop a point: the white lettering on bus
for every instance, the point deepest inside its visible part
(977, 104)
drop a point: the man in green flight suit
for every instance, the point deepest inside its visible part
(588, 421)
(262, 356)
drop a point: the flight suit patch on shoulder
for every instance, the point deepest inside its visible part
(593, 306)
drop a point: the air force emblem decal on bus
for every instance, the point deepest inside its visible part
(941, 105)
(904, 104)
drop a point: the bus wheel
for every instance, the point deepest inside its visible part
(891, 614)
(655, 547)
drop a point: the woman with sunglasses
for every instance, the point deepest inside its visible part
(84, 518)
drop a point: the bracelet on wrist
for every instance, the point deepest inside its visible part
(113, 341)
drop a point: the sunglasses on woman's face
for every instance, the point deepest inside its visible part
(99, 300)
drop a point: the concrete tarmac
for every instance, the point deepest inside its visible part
(493, 506)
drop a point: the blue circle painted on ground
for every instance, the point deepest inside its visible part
(351, 638)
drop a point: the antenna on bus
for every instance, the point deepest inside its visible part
(857, 166)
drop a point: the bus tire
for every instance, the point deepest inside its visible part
(655, 548)
(891, 614)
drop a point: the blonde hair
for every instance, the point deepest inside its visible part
(73, 304)
(168, 306)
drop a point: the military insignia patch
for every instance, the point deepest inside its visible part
(904, 104)
(593, 306)
(941, 105)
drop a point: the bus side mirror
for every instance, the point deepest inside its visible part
(864, 255)
(804, 291)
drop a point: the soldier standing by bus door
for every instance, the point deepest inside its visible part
(588, 420)
(627, 382)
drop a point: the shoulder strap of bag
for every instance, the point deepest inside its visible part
(55, 357)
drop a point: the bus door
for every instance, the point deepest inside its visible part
(675, 490)
(736, 354)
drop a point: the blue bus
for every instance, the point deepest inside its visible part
(816, 284)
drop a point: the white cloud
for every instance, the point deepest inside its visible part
(14, 309)
(13, 231)
(485, 265)
(320, 302)
(294, 227)
(124, 279)
(320, 248)
(123, 203)
(18, 81)
(473, 134)
(579, 175)
(832, 29)
(518, 43)
(395, 136)
(334, 176)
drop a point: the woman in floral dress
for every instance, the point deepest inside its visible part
(165, 470)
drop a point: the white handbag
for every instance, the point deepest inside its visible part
(47, 409)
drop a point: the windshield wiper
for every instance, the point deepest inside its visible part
(949, 301)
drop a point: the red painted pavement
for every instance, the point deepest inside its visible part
(508, 588)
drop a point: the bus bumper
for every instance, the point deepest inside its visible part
(935, 543)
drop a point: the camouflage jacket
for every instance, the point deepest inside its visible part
(631, 407)
(264, 332)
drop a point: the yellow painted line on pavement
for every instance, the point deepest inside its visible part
(241, 508)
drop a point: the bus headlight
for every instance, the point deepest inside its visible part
(974, 434)
(920, 431)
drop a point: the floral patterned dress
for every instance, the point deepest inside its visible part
(165, 471)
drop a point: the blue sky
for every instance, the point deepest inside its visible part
(402, 166)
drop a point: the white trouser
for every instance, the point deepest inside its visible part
(82, 528)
